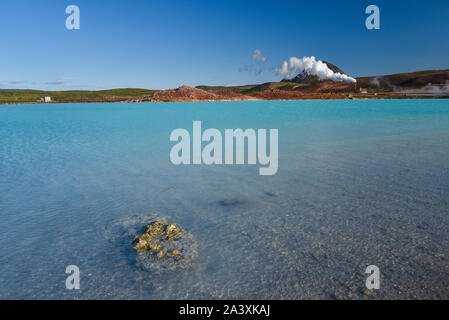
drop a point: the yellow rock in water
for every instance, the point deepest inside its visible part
(173, 231)
(174, 253)
(155, 238)
(146, 237)
(141, 244)
(156, 228)
(155, 246)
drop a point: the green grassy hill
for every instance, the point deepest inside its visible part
(237, 89)
(249, 89)
(21, 96)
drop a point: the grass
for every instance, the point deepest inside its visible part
(287, 86)
(21, 96)
(251, 89)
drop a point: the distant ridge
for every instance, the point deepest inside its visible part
(404, 81)
(420, 84)
(425, 80)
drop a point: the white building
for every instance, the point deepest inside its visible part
(46, 99)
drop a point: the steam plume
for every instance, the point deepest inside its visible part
(258, 56)
(312, 67)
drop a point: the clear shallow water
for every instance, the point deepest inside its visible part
(359, 183)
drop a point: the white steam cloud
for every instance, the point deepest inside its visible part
(258, 56)
(258, 64)
(312, 67)
(438, 89)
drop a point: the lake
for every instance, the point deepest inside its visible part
(359, 183)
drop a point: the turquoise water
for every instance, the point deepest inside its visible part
(359, 183)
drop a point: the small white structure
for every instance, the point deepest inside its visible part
(46, 99)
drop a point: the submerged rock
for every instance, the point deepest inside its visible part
(231, 203)
(179, 247)
(158, 237)
(160, 254)
(155, 228)
(173, 232)
(368, 292)
(273, 193)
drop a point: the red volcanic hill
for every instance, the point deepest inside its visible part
(187, 93)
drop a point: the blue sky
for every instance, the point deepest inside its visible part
(164, 44)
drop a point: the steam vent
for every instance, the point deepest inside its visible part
(305, 77)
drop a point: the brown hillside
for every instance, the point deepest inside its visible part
(403, 81)
(187, 93)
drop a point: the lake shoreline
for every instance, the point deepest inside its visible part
(308, 98)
